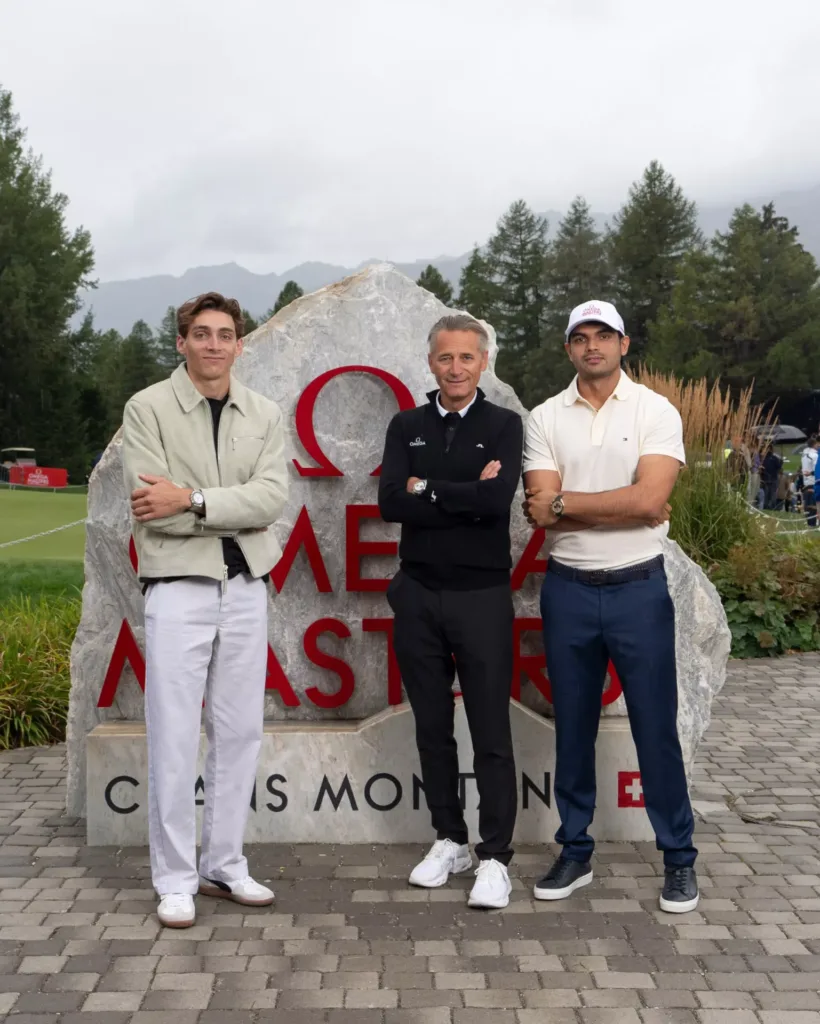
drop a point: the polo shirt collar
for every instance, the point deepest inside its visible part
(188, 396)
(623, 390)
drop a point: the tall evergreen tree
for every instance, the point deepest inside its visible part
(432, 279)
(136, 369)
(651, 235)
(165, 344)
(289, 293)
(747, 310)
(478, 292)
(516, 255)
(42, 266)
(576, 270)
(251, 323)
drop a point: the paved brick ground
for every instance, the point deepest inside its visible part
(349, 941)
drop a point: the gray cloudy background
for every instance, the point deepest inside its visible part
(269, 133)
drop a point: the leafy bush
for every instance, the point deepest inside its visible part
(35, 646)
(770, 588)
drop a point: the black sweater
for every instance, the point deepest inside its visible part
(457, 537)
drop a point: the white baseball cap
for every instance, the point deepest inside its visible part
(595, 311)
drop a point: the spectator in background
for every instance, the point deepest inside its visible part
(783, 491)
(808, 465)
(753, 491)
(769, 476)
(739, 463)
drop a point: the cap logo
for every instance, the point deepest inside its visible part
(592, 311)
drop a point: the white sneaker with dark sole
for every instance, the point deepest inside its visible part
(443, 859)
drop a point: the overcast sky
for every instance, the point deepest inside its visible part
(190, 132)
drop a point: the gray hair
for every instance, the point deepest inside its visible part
(459, 322)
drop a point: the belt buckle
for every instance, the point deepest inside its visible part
(597, 577)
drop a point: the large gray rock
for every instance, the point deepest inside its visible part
(378, 319)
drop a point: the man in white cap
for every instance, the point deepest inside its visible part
(600, 462)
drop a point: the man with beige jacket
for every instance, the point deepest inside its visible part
(203, 458)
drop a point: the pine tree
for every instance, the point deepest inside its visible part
(516, 256)
(136, 367)
(290, 292)
(651, 235)
(42, 266)
(748, 310)
(478, 292)
(251, 323)
(576, 270)
(431, 278)
(165, 344)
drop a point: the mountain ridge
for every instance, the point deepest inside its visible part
(118, 304)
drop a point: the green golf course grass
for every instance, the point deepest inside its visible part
(49, 565)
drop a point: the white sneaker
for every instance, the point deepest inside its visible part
(176, 910)
(444, 859)
(492, 885)
(245, 891)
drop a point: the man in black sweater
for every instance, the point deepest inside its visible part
(449, 475)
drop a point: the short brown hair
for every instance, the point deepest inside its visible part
(190, 310)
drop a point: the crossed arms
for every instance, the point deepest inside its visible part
(455, 502)
(162, 506)
(644, 503)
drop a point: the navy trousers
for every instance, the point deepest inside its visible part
(633, 624)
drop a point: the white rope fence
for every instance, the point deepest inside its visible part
(776, 519)
(45, 533)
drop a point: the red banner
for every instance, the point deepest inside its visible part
(38, 476)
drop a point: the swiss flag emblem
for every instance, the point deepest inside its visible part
(630, 790)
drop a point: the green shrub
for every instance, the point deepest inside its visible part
(770, 588)
(708, 517)
(35, 646)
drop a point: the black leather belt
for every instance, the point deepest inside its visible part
(606, 577)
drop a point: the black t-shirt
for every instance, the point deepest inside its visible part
(231, 552)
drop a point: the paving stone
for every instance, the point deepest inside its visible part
(358, 946)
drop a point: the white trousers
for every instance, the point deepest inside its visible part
(202, 643)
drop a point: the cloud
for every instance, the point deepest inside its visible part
(200, 132)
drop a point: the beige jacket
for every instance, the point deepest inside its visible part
(168, 431)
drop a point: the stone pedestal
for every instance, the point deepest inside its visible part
(359, 782)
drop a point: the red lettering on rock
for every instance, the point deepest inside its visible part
(532, 665)
(347, 681)
(614, 690)
(125, 649)
(275, 679)
(302, 535)
(393, 671)
(529, 561)
(356, 549)
(304, 416)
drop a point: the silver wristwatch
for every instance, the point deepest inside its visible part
(557, 506)
(419, 487)
(197, 502)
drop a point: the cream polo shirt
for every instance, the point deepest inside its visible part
(599, 451)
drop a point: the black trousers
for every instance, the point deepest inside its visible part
(436, 633)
